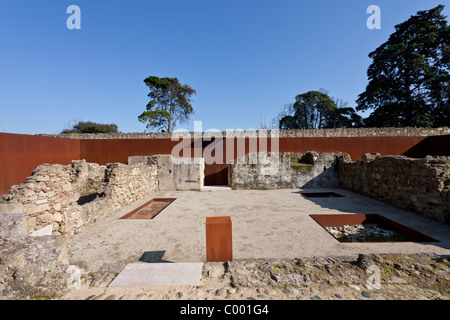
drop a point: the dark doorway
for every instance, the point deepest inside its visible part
(216, 174)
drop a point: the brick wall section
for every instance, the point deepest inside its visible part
(421, 185)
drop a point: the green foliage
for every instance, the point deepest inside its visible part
(170, 103)
(409, 81)
(316, 110)
(91, 127)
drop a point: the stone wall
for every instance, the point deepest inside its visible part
(286, 170)
(30, 267)
(338, 132)
(122, 185)
(60, 199)
(421, 185)
(174, 173)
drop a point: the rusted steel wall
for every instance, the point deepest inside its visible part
(432, 146)
(118, 150)
(21, 154)
(354, 146)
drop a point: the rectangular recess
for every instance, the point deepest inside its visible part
(337, 220)
(320, 194)
(150, 209)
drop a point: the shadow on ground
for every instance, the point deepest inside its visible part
(153, 257)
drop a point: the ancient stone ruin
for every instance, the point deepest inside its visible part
(57, 200)
(420, 185)
(61, 199)
(286, 170)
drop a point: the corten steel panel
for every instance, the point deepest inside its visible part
(118, 150)
(4, 187)
(337, 220)
(21, 154)
(354, 146)
(219, 243)
(438, 145)
(151, 215)
(433, 146)
(103, 151)
(216, 174)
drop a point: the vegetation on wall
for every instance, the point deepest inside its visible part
(91, 127)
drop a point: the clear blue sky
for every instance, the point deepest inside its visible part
(245, 58)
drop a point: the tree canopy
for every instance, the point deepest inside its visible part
(91, 127)
(317, 110)
(170, 103)
(409, 81)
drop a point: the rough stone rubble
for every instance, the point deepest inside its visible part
(53, 195)
(368, 276)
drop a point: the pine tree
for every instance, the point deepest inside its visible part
(409, 81)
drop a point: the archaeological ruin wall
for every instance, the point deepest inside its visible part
(420, 185)
(286, 170)
(61, 199)
(20, 154)
(174, 173)
(30, 267)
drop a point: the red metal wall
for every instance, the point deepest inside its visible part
(21, 154)
(105, 151)
(432, 145)
(118, 150)
(354, 146)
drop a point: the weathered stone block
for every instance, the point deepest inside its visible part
(286, 170)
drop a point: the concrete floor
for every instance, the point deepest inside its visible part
(265, 223)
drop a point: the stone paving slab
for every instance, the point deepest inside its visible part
(158, 274)
(215, 188)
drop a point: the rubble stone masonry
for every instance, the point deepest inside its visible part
(336, 132)
(60, 199)
(286, 170)
(421, 185)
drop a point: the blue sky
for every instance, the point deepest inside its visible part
(245, 59)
